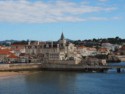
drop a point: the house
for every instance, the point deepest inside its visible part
(7, 55)
(122, 50)
(86, 51)
(82, 50)
(24, 58)
(92, 51)
(103, 51)
(110, 47)
(12, 58)
(18, 48)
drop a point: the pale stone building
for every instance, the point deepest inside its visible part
(86, 51)
(59, 50)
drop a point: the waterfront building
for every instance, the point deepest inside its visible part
(92, 51)
(103, 51)
(12, 58)
(24, 58)
(7, 55)
(87, 51)
(18, 48)
(52, 50)
(110, 47)
(122, 50)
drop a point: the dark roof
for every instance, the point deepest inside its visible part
(50, 46)
(62, 36)
(20, 43)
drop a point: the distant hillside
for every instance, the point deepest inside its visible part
(7, 42)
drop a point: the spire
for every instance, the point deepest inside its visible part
(62, 36)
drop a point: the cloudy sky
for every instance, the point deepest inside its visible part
(47, 19)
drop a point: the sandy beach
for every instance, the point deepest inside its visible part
(11, 74)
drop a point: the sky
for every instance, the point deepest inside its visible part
(46, 19)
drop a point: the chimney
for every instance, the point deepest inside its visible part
(57, 45)
(38, 43)
(52, 44)
(29, 42)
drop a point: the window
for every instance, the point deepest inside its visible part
(29, 47)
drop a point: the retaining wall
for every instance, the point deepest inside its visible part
(20, 66)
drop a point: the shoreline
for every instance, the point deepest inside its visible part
(28, 68)
(8, 74)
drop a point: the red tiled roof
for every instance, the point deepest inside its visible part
(5, 51)
(103, 50)
(91, 49)
(123, 47)
(12, 56)
(81, 47)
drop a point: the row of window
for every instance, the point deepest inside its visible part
(53, 55)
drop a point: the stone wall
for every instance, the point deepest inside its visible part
(53, 65)
(61, 61)
(121, 57)
(20, 66)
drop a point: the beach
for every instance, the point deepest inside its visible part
(11, 74)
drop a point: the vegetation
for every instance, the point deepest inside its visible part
(98, 42)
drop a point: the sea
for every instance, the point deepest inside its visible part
(65, 82)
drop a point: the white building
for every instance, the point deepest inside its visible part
(110, 47)
(87, 51)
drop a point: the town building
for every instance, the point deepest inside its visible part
(52, 50)
(18, 48)
(110, 47)
(103, 51)
(7, 55)
(122, 50)
(87, 51)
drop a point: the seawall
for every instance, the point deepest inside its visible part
(20, 67)
(121, 57)
(48, 66)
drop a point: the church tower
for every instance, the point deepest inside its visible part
(62, 40)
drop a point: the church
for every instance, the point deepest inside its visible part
(52, 50)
